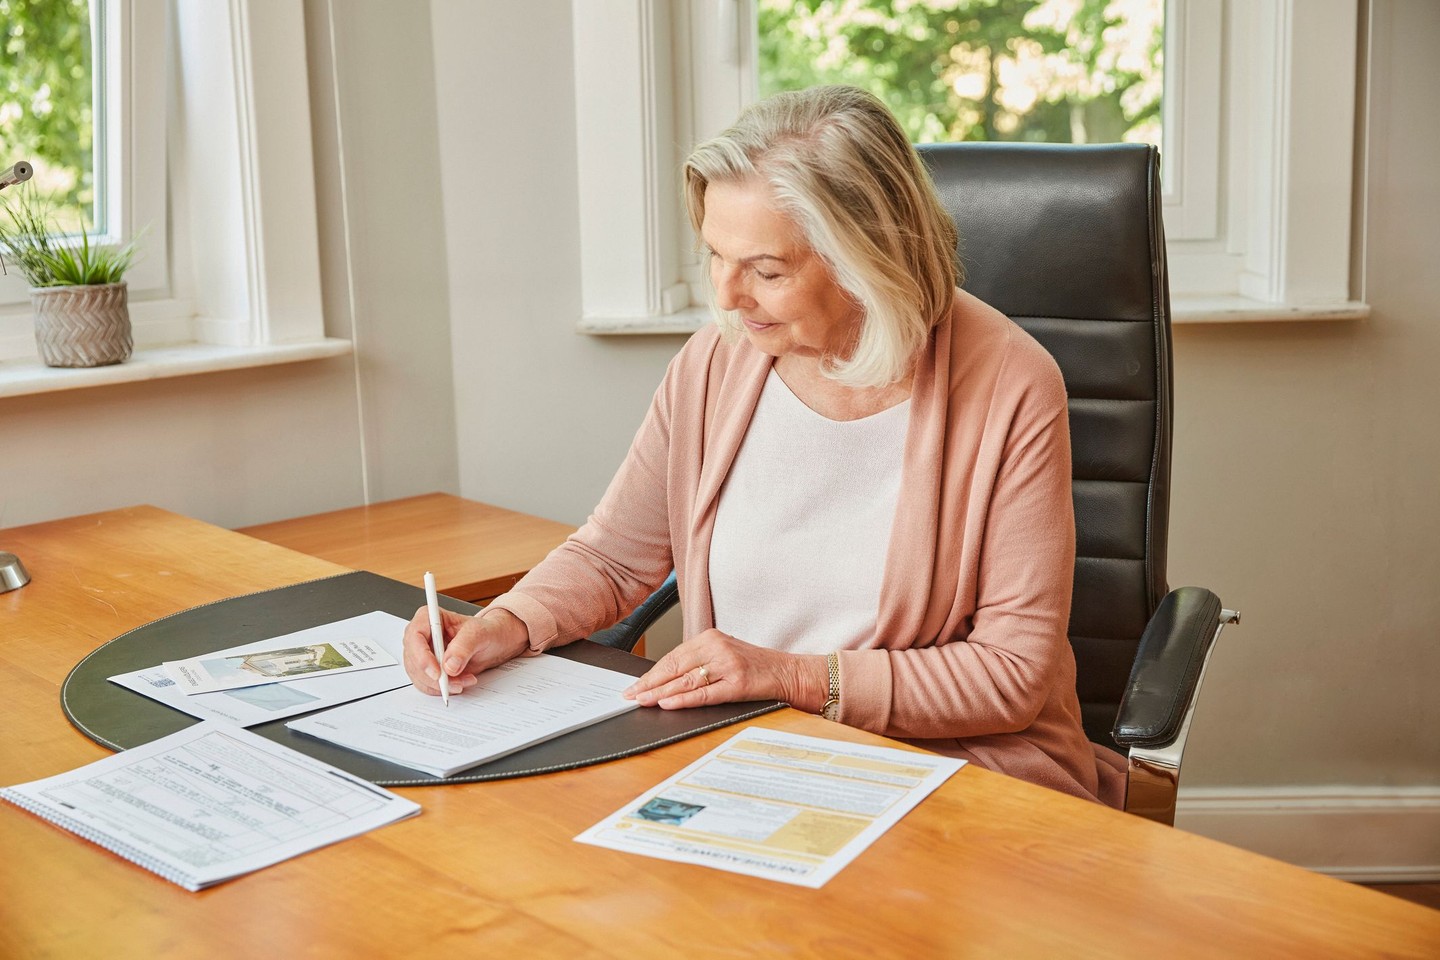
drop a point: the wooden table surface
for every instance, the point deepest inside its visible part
(476, 551)
(987, 866)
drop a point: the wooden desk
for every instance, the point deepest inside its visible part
(986, 866)
(477, 551)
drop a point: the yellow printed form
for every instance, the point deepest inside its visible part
(775, 805)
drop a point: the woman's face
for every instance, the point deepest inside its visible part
(762, 268)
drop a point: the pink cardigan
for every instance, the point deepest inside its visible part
(970, 655)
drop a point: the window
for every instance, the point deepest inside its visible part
(1059, 71)
(245, 170)
(1071, 71)
(200, 138)
(83, 100)
(52, 79)
(1257, 114)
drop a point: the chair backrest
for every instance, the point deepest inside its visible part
(1067, 241)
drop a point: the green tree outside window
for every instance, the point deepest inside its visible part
(1081, 71)
(47, 113)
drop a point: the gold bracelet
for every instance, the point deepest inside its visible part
(831, 710)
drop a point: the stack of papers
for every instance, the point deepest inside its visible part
(215, 801)
(252, 705)
(210, 803)
(515, 705)
(352, 666)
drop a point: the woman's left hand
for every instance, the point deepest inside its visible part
(717, 668)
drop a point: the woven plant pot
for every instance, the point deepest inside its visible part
(82, 326)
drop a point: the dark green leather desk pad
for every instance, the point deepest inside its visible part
(118, 718)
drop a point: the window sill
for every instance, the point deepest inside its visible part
(1183, 311)
(1196, 310)
(685, 321)
(21, 377)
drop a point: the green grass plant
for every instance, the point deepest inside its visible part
(32, 242)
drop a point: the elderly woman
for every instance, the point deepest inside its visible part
(860, 473)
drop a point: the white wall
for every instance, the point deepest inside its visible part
(1307, 486)
(231, 448)
(1306, 494)
(544, 414)
(401, 326)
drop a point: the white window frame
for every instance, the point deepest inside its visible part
(243, 160)
(210, 110)
(1190, 115)
(1260, 102)
(1282, 247)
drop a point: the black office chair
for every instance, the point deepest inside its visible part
(1068, 242)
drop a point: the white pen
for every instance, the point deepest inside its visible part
(437, 635)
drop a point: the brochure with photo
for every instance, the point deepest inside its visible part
(249, 706)
(229, 671)
(776, 805)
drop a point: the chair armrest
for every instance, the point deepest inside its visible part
(1168, 666)
(625, 634)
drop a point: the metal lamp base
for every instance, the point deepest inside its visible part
(12, 573)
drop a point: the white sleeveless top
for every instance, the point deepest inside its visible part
(803, 525)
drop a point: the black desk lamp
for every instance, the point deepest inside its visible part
(12, 571)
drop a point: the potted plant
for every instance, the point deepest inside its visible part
(82, 313)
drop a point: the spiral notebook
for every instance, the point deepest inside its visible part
(210, 803)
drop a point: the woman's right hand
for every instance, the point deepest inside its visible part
(472, 645)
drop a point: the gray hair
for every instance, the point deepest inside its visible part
(840, 166)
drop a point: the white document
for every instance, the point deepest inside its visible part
(230, 671)
(210, 803)
(515, 705)
(249, 706)
(776, 805)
